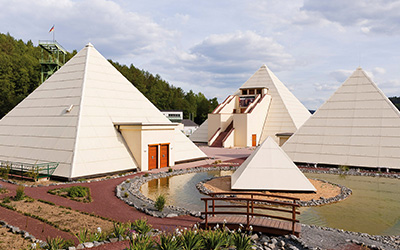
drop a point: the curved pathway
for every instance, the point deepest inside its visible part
(106, 204)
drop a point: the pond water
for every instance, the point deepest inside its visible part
(374, 206)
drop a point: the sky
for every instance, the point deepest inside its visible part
(214, 46)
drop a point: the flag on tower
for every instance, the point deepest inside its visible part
(52, 29)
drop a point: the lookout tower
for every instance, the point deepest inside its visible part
(53, 57)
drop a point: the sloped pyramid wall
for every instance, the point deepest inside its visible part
(286, 113)
(269, 168)
(356, 126)
(201, 133)
(84, 140)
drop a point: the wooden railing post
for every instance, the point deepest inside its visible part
(213, 207)
(205, 213)
(248, 214)
(252, 204)
(293, 218)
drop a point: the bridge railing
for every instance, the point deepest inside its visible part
(246, 201)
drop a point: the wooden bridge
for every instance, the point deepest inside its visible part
(238, 209)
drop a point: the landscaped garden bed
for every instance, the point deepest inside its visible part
(76, 193)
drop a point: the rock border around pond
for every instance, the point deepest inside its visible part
(129, 191)
(344, 193)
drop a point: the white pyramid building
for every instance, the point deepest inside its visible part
(200, 134)
(91, 120)
(262, 107)
(269, 168)
(356, 126)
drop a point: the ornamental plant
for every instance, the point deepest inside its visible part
(160, 202)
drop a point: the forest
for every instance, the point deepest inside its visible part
(20, 75)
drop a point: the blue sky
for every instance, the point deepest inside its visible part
(215, 46)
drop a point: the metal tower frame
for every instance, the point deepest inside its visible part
(53, 57)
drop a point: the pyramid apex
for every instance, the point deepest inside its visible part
(359, 68)
(89, 45)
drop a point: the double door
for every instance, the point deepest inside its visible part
(158, 156)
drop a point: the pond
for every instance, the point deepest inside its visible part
(373, 208)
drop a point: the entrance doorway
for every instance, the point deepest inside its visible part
(253, 140)
(164, 153)
(153, 157)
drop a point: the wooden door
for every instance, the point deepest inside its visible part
(254, 140)
(164, 154)
(153, 157)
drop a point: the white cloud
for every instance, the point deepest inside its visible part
(341, 75)
(111, 28)
(240, 52)
(378, 16)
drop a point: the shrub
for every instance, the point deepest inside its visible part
(241, 241)
(4, 171)
(344, 168)
(141, 226)
(190, 240)
(169, 170)
(146, 175)
(20, 193)
(168, 242)
(3, 190)
(29, 199)
(160, 202)
(141, 242)
(58, 243)
(126, 195)
(214, 240)
(77, 191)
(6, 199)
(119, 230)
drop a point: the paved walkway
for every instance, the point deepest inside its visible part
(106, 204)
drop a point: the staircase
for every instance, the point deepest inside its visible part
(220, 139)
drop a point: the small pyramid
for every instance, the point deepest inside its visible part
(285, 114)
(269, 168)
(356, 126)
(71, 119)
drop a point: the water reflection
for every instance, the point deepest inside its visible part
(373, 208)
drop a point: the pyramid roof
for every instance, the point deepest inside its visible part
(70, 119)
(269, 168)
(356, 126)
(286, 112)
(201, 133)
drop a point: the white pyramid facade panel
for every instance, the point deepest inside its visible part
(184, 150)
(201, 133)
(370, 123)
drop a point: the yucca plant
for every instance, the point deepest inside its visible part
(141, 242)
(119, 230)
(168, 242)
(214, 240)
(141, 226)
(190, 240)
(57, 243)
(241, 241)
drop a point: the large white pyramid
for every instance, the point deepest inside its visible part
(356, 126)
(70, 119)
(269, 168)
(285, 114)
